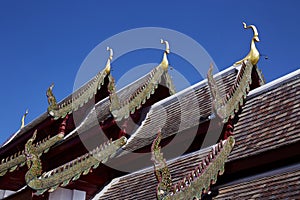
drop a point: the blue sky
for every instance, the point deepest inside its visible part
(46, 41)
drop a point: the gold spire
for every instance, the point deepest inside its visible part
(23, 119)
(111, 53)
(165, 63)
(253, 55)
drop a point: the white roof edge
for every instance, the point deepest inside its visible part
(124, 87)
(195, 85)
(273, 84)
(11, 138)
(91, 112)
(104, 190)
(142, 124)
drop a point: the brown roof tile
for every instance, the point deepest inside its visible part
(277, 186)
(270, 118)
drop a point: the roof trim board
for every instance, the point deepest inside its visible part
(273, 84)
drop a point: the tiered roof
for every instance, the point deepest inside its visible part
(137, 112)
(282, 137)
(142, 184)
(141, 92)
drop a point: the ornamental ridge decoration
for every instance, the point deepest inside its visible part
(161, 169)
(197, 181)
(81, 96)
(253, 55)
(11, 163)
(71, 171)
(226, 107)
(139, 97)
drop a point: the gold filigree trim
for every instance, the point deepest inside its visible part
(205, 174)
(139, 97)
(80, 97)
(226, 107)
(161, 169)
(11, 163)
(71, 171)
(196, 182)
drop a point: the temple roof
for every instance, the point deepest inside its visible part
(136, 94)
(26, 128)
(71, 171)
(142, 184)
(270, 118)
(266, 124)
(192, 106)
(252, 135)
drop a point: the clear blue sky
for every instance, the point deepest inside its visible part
(46, 41)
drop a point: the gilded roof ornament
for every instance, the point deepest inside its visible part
(32, 158)
(253, 55)
(228, 105)
(80, 97)
(113, 97)
(162, 171)
(23, 119)
(197, 181)
(165, 63)
(122, 108)
(12, 162)
(71, 171)
(111, 53)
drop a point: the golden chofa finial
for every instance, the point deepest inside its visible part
(253, 55)
(165, 63)
(23, 119)
(111, 53)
